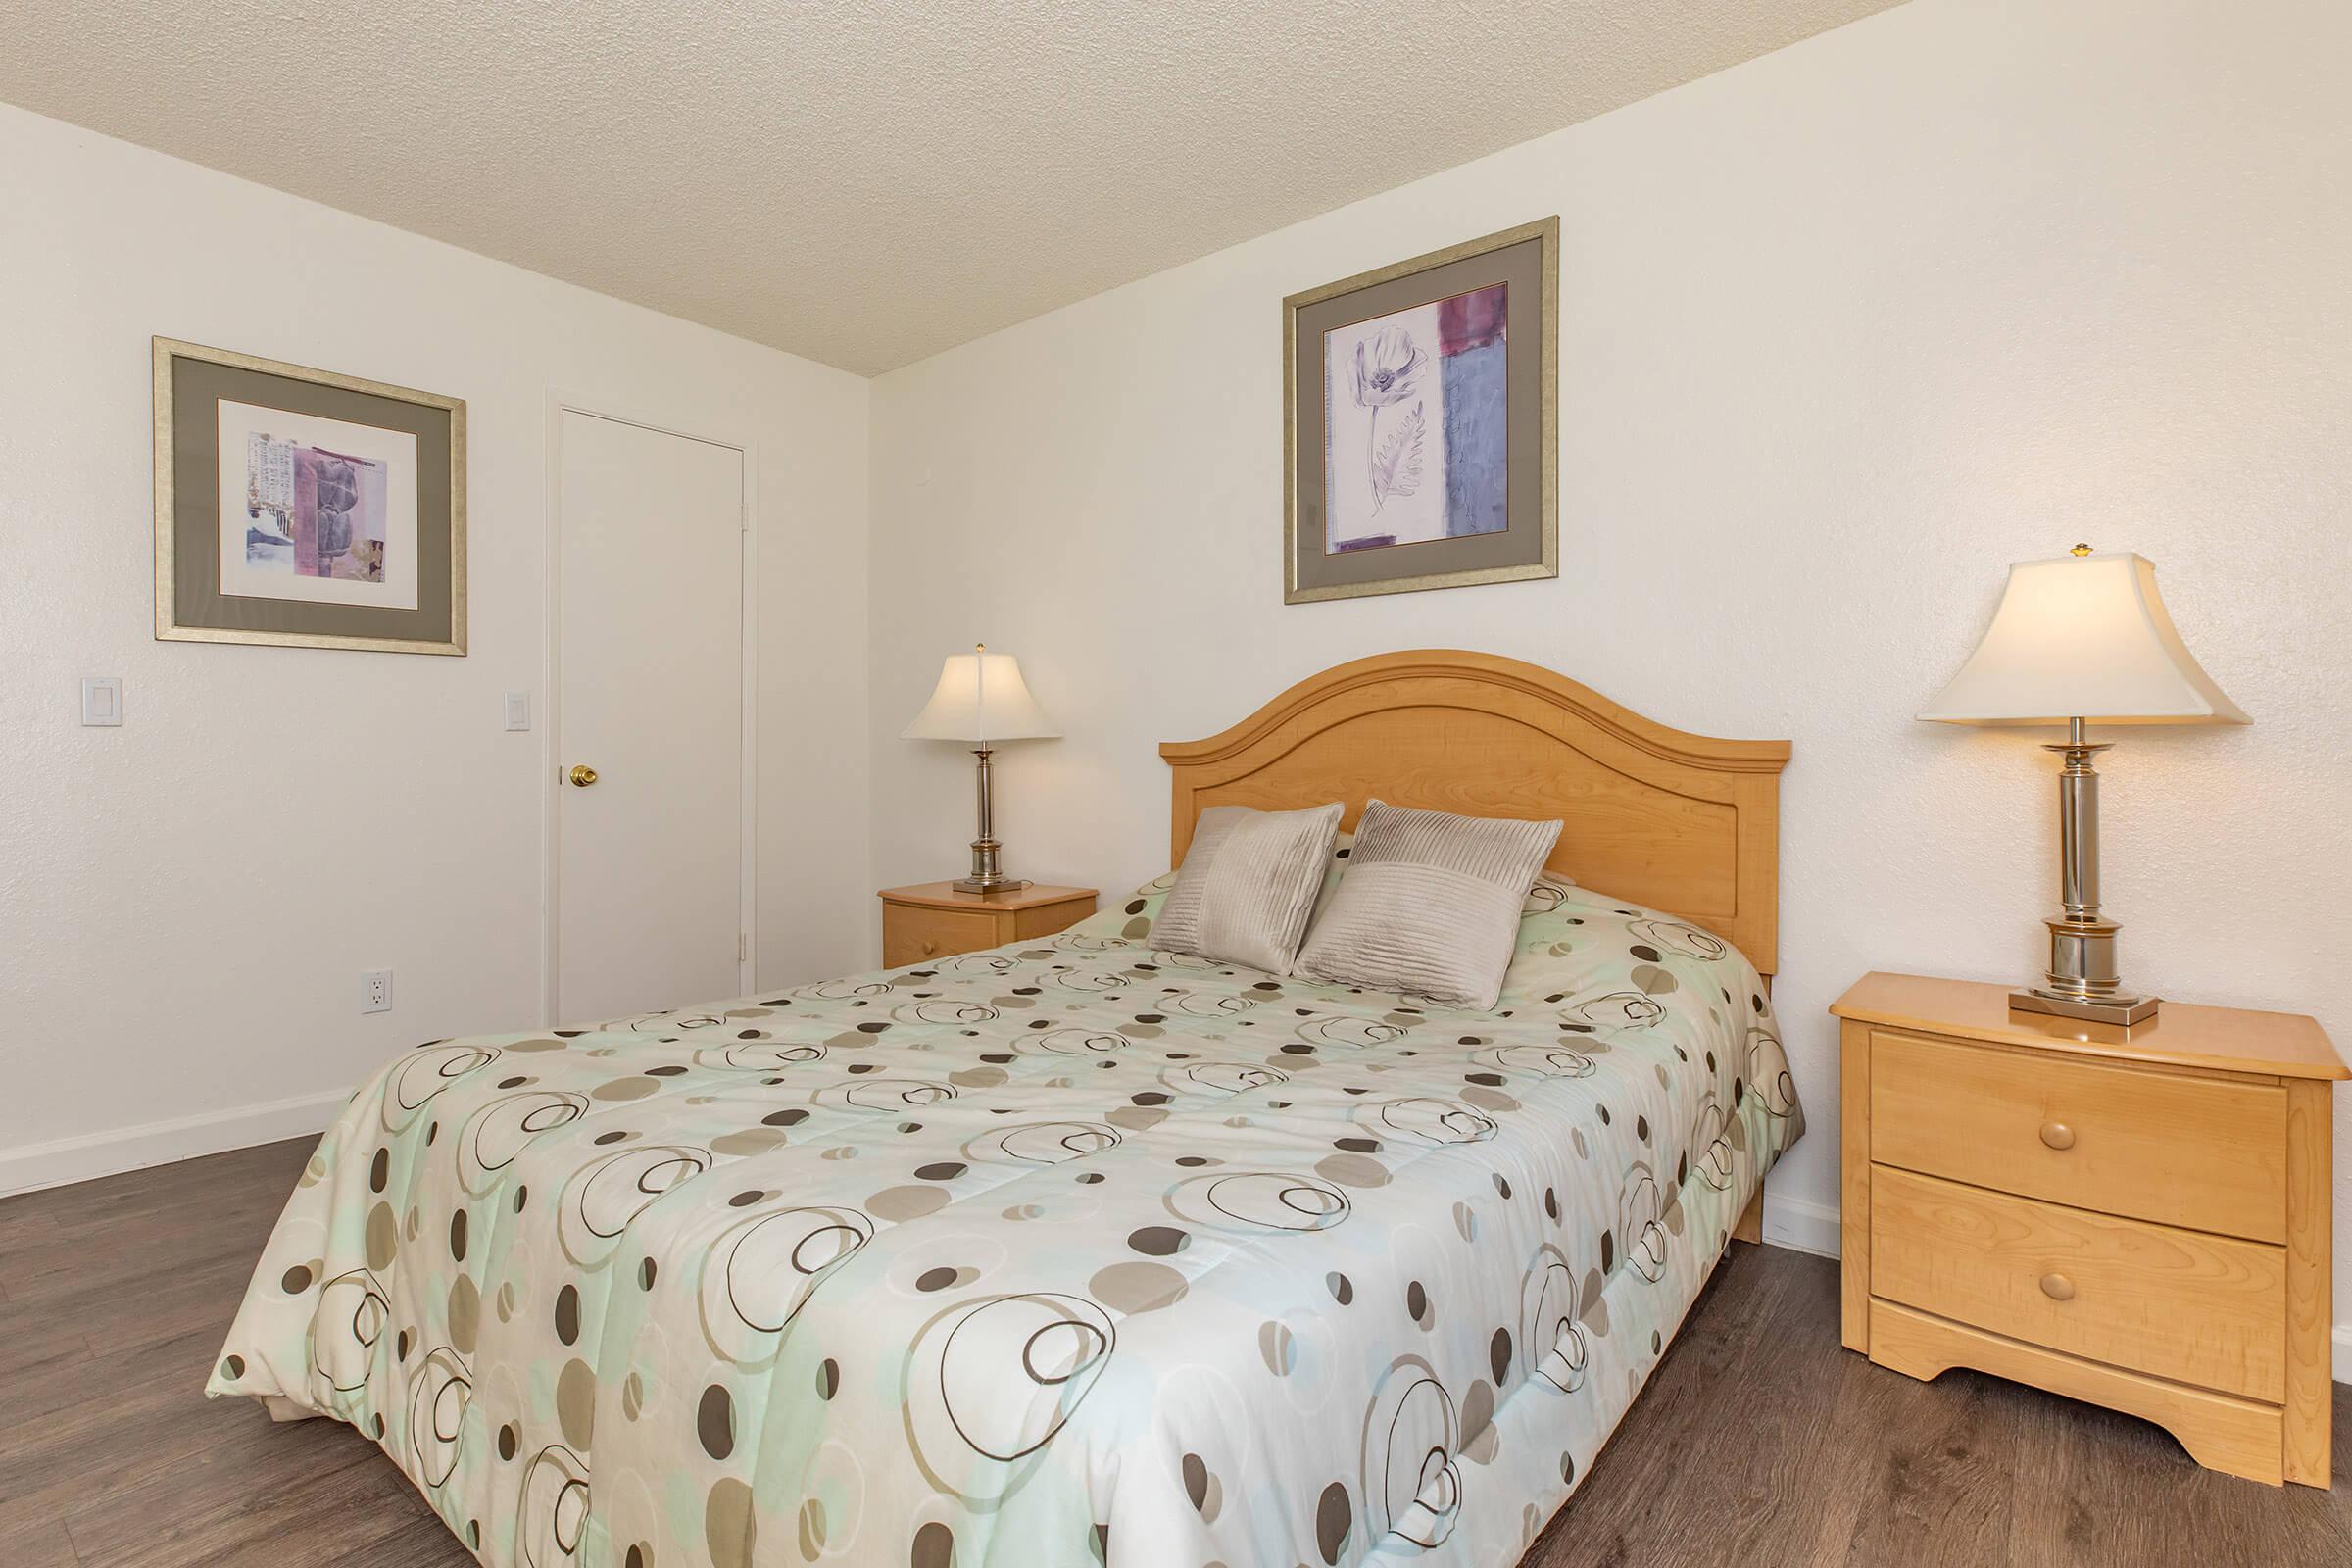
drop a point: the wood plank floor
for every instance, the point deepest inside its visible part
(1759, 1443)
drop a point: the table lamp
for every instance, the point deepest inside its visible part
(981, 699)
(2079, 638)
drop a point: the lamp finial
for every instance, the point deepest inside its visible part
(2081, 550)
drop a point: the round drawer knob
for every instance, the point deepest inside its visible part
(929, 947)
(2058, 1135)
(2057, 1287)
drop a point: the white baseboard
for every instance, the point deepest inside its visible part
(160, 1142)
(1804, 1227)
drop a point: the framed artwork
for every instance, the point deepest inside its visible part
(1420, 421)
(302, 508)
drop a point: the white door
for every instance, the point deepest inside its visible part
(648, 693)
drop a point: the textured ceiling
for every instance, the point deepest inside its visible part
(861, 183)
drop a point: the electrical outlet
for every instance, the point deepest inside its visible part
(375, 991)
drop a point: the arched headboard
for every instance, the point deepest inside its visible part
(1680, 822)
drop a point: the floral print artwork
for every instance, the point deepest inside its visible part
(1385, 371)
(1416, 425)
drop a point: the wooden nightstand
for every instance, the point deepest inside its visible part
(2138, 1218)
(932, 921)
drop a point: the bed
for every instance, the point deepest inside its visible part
(1076, 1251)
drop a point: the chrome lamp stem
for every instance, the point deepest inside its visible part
(988, 867)
(2081, 982)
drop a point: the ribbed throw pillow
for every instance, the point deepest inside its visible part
(1430, 905)
(1249, 880)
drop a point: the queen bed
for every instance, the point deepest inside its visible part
(1077, 1251)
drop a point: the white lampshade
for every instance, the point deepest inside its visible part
(2082, 637)
(981, 698)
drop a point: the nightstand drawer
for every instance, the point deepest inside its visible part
(912, 934)
(2209, 1154)
(2202, 1309)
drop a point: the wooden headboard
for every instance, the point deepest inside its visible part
(1678, 822)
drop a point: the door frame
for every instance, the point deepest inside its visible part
(551, 708)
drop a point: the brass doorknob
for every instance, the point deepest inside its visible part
(2058, 1135)
(583, 774)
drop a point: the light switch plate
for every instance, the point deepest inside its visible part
(519, 711)
(102, 700)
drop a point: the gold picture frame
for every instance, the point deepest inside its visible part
(1527, 547)
(190, 604)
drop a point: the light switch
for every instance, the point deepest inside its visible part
(102, 699)
(519, 710)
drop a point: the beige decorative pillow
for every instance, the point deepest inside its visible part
(1430, 905)
(1246, 885)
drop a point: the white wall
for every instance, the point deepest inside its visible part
(1845, 330)
(186, 902)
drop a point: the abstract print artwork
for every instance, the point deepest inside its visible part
(1420, 421)
(328, 508)
(1416, 442)
(302, 507)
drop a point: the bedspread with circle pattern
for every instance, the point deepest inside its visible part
(1070, 1253)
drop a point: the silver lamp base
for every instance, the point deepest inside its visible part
(2081, 981)
(988, 855)
(987, 880)
(2123, 1009)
